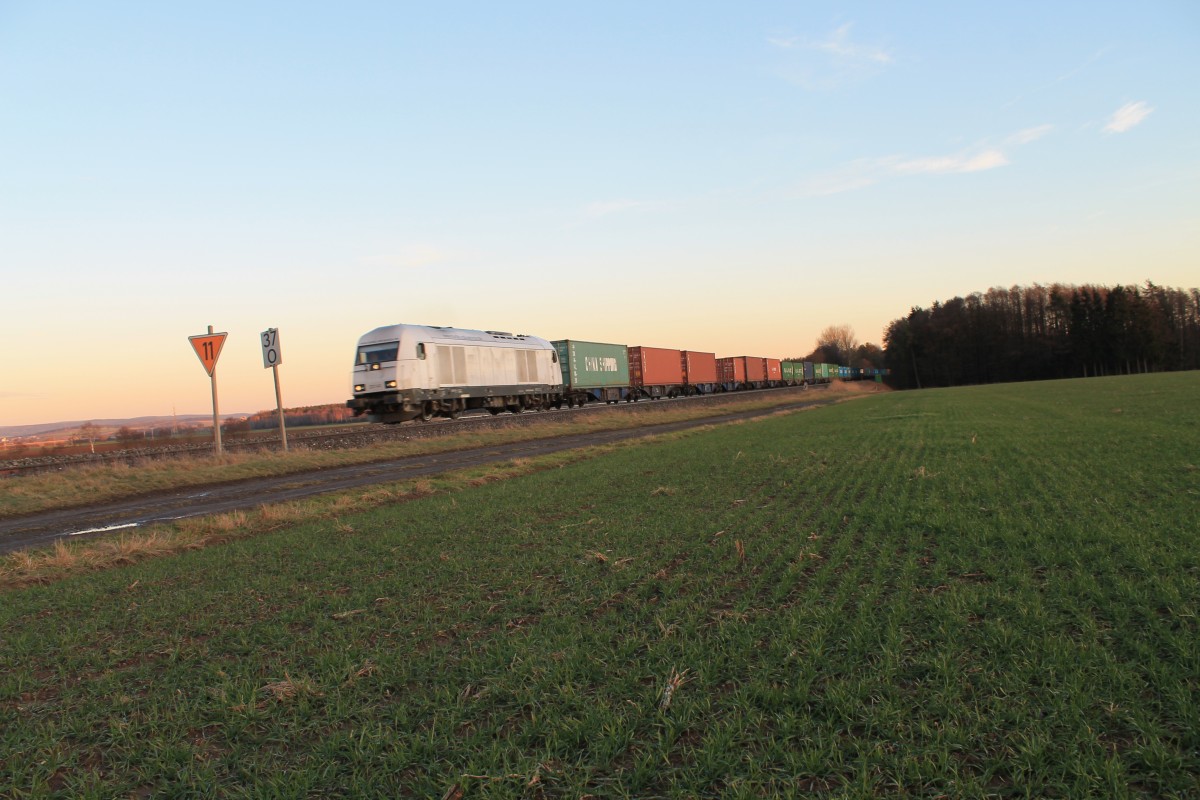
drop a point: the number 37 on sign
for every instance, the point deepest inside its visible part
(272, 355)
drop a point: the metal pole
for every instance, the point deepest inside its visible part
(216, 411)
(279, 405)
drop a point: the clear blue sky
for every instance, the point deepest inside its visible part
(730, 177)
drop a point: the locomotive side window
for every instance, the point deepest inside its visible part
(421, 351)
(373, 354)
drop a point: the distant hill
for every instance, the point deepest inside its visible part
(136, 423)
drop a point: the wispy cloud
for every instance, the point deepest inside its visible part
(959, 162)
(851, 177)
(1066, 76)
(832, 60)
(1029, 134)
(864, 172)
(837, 44)
(1128, 116)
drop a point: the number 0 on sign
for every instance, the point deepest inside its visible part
(208, 348)
(272, 355)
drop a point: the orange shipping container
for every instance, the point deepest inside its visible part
(773, 368)
(756, 368)
(654, 366)
(698, 367)
(732, 369)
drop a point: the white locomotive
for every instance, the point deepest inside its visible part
(404, 372)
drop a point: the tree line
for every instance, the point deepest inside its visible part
(305, 415)
(1041, 332)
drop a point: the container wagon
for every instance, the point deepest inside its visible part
(742, 372)
(793, 373)
(699, 372)
(592, 371)
(773, 370)
(654, 372)
(731, 373)
(756, 372)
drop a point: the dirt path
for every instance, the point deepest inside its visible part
(45, 528)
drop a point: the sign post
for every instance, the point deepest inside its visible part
(272, 358)
(208, 349)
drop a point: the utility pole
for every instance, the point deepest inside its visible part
(208, 349)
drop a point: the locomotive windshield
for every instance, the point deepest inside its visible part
(370, 354)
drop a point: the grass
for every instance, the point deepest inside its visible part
(67, 558)
(986, 592)
(34, 493)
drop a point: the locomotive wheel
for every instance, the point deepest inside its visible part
(453, 411)
(427, 411)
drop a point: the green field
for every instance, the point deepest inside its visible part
(983, 592)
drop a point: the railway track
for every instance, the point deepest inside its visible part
(347, 436)
(44, 528)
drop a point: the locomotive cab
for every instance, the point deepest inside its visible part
(383, 367)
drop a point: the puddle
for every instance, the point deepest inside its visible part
(105, 529)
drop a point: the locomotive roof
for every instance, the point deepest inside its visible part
(451, 335)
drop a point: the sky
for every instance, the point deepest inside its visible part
(724, 177)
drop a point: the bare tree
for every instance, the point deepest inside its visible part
(88, 432)
(839, 339)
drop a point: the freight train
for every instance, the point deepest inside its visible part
(405, 372)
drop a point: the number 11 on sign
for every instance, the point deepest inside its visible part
(208, 350)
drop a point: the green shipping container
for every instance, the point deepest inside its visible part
(793, 370)
(592, 365)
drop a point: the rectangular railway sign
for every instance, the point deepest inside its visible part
(272, 358)
(272, 354)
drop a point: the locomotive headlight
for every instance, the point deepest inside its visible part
(390, 384)
(358, 387)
